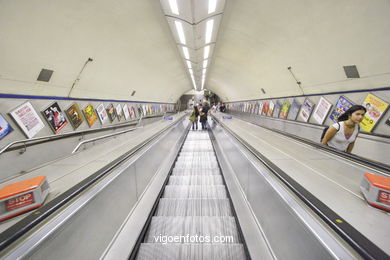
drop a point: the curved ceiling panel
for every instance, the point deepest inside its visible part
(129, 41)
(259, 40)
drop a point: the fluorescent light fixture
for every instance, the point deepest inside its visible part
(205, 64)
(206, 51)
(186, 53)
(180, 31)
(191, 72)
(189, 64)
(204, 72)
(209, 30)
(212, 6)
(174, 7)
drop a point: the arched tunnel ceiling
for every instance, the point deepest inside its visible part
(133, 49)
(129, 41)
(259, 39)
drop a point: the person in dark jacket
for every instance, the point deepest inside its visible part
(203, 115)
(194, 118)
(222, 108)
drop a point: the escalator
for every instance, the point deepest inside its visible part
(194, 217)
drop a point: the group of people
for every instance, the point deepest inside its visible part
(200, 111)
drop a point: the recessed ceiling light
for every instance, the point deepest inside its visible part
(209, 30)
(212, 6)
(174, 7)
(186, 53)
(189, 64)
(206, 51)
(180, 31)
(205, 64)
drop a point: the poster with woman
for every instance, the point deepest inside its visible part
(102, 113)
(118, 111)
(111, 112)
(277, 108)
(265, 108)
(260, 107)
(74, 115)
(321, 110)
(27, 119)
(126, 112)
(54, 116)
(90, 115)
(271, 108)
(306, 109)
(131, 111)
(294, 109)
(375, 110)
(5, 127)
(342, 105)
(285, 109)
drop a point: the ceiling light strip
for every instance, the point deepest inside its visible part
(209, 30)
(212, 6)
(206, 51)
(175, 8)
(180, 31)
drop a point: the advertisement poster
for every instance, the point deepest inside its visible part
(54, 116)
(321, 111)
(375, 109)
(90, 115)
(118, 111)
(74, 115)
(342, 105)
(111, 112)
(277, 108)
(5, 127)
(126, 112)
(27, 119)
(132, 112)
(271, 108)
(294, 109)
(260, 108)
(285, 109)
(102, 113)
(306, 109)
(265, 108)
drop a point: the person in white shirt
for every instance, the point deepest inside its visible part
(342, 135)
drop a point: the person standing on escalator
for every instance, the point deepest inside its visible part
(342, 135)
(203, 115)
(194, 118)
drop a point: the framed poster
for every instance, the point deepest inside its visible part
(342, 105)
(118, 111)
(306, 109)
(126, 112)
(74, 115)
(265, 108)
(277, 108)
(285, 109)
(111, 112)
(294, 109)
(90, 115)
(375, 110)
(131, 111)
(54, 116)
(27, 119)
(102, 113)
(260, 108)
(321, 110)
(5, 127)
(270, 108)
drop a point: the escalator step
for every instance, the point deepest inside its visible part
(195, 191)
(194, 207)
(196, 180)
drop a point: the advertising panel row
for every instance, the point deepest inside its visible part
(29, 121)
(319, 112)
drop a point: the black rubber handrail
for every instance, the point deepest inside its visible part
(14, 232)
(362, 245)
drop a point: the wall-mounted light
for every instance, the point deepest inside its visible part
(212, 6)
(206, 51)
(186, 53)
(174, 7)
(180, 31)
(209, 30)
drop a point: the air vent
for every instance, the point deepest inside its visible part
(45, 75)
(351, 71)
